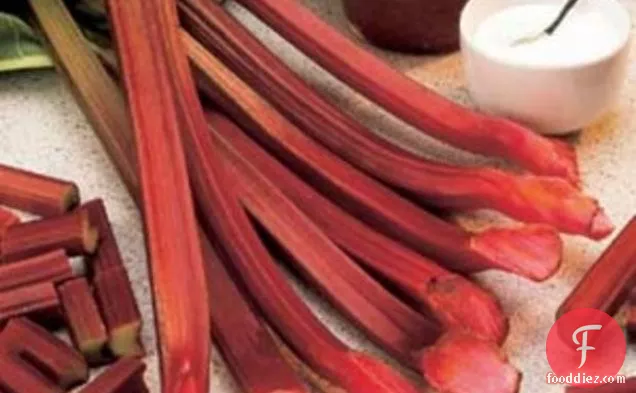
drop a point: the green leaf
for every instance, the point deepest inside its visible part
(20, 47)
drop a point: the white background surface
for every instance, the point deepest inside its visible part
(42, 129)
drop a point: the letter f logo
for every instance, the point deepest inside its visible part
(583, 343)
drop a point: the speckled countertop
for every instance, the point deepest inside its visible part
(42, 129)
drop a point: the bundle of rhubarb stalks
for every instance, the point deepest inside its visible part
(239, 166)
(43, 291)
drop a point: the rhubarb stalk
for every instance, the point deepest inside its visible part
(118, 306)
(534, 253)
(53, 266)
(450, 298)
(18, 376)
(141, 31)
(113, 290)
(7, 219)
(411, 101)
(51, 356)
(238, 331)
(94, 88)
(125, 376)
(607, 283)
(83, 319)
(107, 255)
(71, 232)
(551, 201)
(27, 300)
(35, 193)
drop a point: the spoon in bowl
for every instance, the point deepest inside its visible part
(569, 5)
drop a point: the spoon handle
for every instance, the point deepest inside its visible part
(564, 12)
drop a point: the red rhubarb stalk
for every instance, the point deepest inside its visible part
(53, 266)
(71, 232)
(263, 370)
(450, 298)
(83, 319)
(238, 331)
(125, 376)
(18, 376)
(552, 201)
(61, 363)
(7, 219)
(27, 300)
(141, 30)
(411, 101)
(608, 282)
(35, 193)
(534, 253)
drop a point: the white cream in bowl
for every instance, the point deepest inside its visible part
(557, 83)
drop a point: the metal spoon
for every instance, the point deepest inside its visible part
(550, 29)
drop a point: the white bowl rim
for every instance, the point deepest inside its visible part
(626, 39)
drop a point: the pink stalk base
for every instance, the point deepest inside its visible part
(457, 364)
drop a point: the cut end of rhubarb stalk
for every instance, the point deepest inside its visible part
(90, 237)
(601, 226)
(70, 198)
(458, 363)
(124, 340)
(533, 251)
(454, 302)
(543, 156)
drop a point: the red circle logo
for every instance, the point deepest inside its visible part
(586, 342)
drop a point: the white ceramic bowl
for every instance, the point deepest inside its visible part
(551, 99)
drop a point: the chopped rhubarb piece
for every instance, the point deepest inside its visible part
(125, 376)
(7, 219)
(52, 357)
(412, 102)
(53, 266)
(459, 364)
(83, 318)
(529, 198)
(119, 308)
(451, 299)
(71, 232)
(629, 386)
(16, 376)
(362, 195)
(607, 284)
(107, 254)
(27, 300)
(34, 193)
